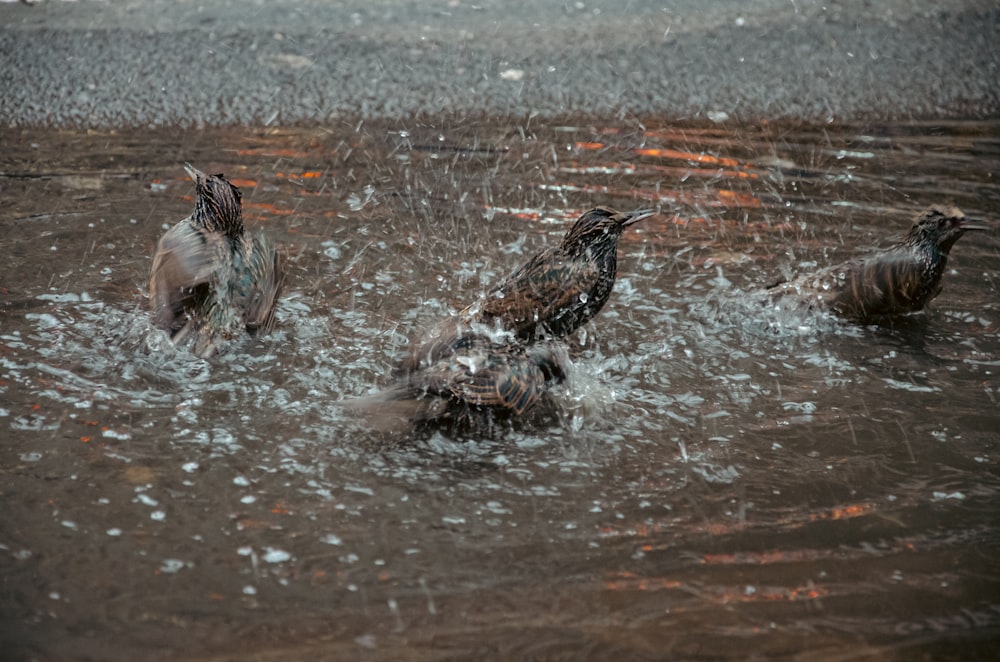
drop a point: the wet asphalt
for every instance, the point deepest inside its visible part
(156, 62)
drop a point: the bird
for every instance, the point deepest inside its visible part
(550, 296)
(481, 382)
(894, 281)
(210, 279)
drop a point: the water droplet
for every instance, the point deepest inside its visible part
(512, 74)
(275, 555)
(170, 566)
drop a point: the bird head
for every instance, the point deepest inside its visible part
(219, 204)
(601, 225)
(942, 227)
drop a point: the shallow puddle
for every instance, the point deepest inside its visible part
(722, 478)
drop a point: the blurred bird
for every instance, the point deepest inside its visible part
(210, 279)
(481, 382)
(894, 281)
(550, 296)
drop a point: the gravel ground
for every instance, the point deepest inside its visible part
(156, 62)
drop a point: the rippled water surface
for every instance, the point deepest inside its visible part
(723, 479)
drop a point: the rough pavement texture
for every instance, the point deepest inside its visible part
(158, 62)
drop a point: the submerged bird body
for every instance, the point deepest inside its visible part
(550, 296)
(210, 279)
(497, 358)
(478, 383)
(895, 281)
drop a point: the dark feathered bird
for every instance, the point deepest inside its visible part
(481, 382)
(550, 296)
(211, 280)
(894, 281)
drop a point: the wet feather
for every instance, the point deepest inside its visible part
(552, 295)
(478, 383)
(898, 280)
(211, 280)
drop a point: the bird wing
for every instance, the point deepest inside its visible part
(537, 291)
(882, 285)
(262, 276)
(511, 382)
(455, 388)
(185, 258)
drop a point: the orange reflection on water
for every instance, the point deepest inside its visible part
(630, 581)
(844, 512)
(736, 199)
(763, 558)
(309, 174)
(721, 594)
(663, 153)
(280, 508)
(267, 208)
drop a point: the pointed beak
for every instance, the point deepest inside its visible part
(968, 224)
(633, 217)
(194, 173)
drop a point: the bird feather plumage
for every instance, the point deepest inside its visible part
(897, 280)
(210, 279)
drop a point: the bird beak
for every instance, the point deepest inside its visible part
(633, 217)
(975, 224)
(195, 174)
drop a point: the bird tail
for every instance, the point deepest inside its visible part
(394, 410)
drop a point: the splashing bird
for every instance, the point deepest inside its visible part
(551, 295)
(481, 383)
(895, 281)
(211, 280)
